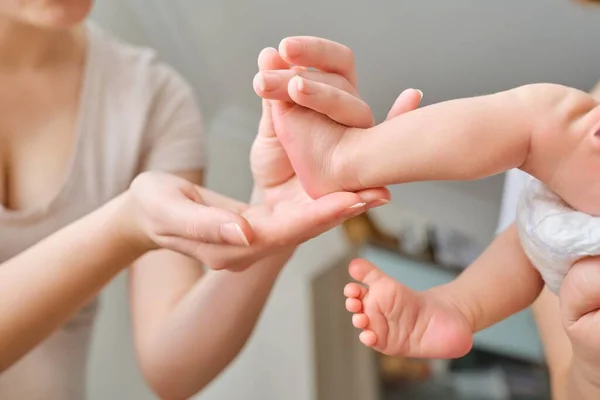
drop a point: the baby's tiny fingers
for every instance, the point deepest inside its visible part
(360, 321)
(368, 338)
(337, 104)
(353, 305)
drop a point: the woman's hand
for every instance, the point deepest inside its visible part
(579, 306)
(170, 212)
(214, 229)
(330, 64)
(276, 186)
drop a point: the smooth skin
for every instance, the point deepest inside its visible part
(172, 297)
(568, 329)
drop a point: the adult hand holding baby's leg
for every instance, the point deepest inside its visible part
(394, 319)
(280, 212)
(329, 88)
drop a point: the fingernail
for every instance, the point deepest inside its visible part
(357, 205)
(233, 234)
(293, 48)
(377, 203)
(370, 196)
(420, 93)
(267, 82)
(354, 210)
(304, 86)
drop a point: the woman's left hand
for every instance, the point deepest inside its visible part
(280, 213)
(580, 312)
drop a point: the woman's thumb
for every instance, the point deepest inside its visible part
(579, 292)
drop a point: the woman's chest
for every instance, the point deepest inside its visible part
(38, 133)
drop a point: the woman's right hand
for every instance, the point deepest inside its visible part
(580, 313)
(166, 211)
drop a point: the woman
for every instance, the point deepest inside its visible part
(93, 113)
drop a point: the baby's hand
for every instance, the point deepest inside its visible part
(399, 321)
(315, 109)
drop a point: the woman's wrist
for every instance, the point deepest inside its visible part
(123, 223)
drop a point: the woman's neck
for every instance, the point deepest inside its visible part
(26, 47)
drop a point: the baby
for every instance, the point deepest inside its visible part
(549, 131)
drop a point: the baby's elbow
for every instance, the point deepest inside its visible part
(556, 109)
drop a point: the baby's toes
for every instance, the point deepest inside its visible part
(353, 305)
(360, 321)
(368, 338)
(354, 290)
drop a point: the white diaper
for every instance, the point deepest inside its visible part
(554, 235)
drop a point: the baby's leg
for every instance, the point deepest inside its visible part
(440, 322)
(331, 92)
(529, 128)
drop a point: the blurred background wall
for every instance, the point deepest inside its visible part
(447, 49)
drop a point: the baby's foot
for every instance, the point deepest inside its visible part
(311, 141)
(399, 321)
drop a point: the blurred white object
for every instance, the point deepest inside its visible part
(455, 249)
(413, 239)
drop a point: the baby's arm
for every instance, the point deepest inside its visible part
(471, 138)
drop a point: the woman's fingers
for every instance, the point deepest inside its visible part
(407, 101)
(174, 207)
(273, 84)
(322, 54)
(269, 58)
(189, 220)
(214, 199)
(337, 104)
(319, 216)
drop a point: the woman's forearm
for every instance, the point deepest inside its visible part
(46, 284)
(208, 327)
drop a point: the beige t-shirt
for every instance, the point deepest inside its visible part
(136, 114)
